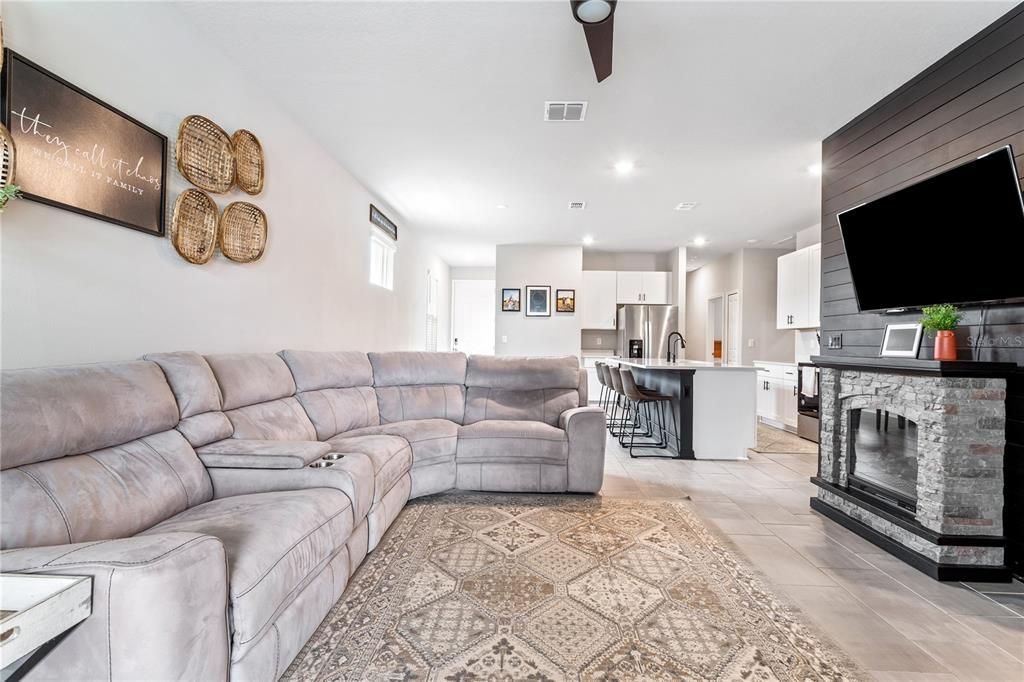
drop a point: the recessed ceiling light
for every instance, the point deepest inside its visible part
(624, 167)
(686, 205)
(502, 206)
(587, 240)
(814, 169)
(699, 241)
(593, 11)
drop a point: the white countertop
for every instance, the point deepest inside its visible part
(680, 365)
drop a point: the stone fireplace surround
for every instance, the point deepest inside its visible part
(956, 532)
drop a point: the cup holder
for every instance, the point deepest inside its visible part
(333, 456)
(321, 464)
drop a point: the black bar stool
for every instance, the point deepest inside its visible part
(640, 400)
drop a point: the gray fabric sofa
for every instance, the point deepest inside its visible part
(222, 502)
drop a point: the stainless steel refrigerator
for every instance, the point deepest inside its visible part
(643, 330)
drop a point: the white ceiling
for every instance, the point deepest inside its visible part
(437, 107)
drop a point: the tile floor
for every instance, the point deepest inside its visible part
(896, 622)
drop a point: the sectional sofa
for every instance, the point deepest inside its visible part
(222, 502)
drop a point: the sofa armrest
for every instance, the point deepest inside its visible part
(159, 608)
(585, 429)
(352, 475)
(236, 453)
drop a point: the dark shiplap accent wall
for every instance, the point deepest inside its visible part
(968, 103)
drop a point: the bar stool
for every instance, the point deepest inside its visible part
(617, 425)
(602, 399)
(639, 399)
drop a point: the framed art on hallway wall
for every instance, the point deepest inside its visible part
(565, 300)
(510, 300)
(78, 153)
(538, 301)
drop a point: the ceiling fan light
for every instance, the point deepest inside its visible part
(593, 11)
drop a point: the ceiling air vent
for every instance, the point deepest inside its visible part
(577, 205)
(686, 205)
(565, 111)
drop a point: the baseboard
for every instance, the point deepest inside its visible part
(933, 569)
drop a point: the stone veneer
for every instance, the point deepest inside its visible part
(961, 439)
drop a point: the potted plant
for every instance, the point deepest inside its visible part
(943, 320)
(7, 193)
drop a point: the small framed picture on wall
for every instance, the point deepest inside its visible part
(510, 300)
(565, 300)
(538, 301)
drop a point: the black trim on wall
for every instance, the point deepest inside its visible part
(968, 103)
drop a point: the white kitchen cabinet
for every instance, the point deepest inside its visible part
(657, 287)
(799, 289)
(643, 287)
(814, 303)
(777, 393)
(598, 299)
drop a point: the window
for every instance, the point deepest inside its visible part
(382, 260)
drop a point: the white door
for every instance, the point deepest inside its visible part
(597, 300)
(732, 328)
(473, 305)
(629, 287)
(657, 287)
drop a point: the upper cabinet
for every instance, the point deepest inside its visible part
(597, 302)
(643, 287)
(799, 289)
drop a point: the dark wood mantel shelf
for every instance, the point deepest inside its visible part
(941, 368)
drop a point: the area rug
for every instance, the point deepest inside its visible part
(548, 588)
(772, 440)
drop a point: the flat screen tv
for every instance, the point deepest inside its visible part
(957, 237)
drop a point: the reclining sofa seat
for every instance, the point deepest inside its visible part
(96, 481)
(527, 427)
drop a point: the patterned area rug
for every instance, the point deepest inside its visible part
(772, 440)
(544, 588)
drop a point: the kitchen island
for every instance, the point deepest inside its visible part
(715, 405)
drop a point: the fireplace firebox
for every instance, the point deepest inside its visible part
(883, 457)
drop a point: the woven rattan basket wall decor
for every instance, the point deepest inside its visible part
(6, 157)
(249, 163)
(243, 232)
(194, 226)
(204, 154)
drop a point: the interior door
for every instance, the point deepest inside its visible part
(732, 328)
(473, 305)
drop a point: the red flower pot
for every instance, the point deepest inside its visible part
(945, 345)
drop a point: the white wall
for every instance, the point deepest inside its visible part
(759, 309)
(463, 272)
(74, 289)
(808, 236)
(642, 261)
(561, 267)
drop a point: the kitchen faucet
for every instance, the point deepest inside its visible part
(672, 356)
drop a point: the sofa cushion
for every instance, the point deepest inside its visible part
(512, 442)
(190, 377)
(541, 405)
(275, 543)
(432, 440)
(314, 370)
(390, 456)
(282, 419)
(336, 410)
(407, 368)
(405, 403)
(51, 412)
(250, 378)
(522, 374)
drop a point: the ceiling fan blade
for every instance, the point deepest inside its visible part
(599, 40)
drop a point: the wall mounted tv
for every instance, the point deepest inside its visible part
(957, 237)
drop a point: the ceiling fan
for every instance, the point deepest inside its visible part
(597, 17)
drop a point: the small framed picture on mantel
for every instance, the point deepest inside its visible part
(901, 341)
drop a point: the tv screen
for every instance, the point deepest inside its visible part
(957, 237)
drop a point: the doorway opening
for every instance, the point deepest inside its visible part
(723, 328)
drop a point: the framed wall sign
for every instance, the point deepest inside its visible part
(383, 222)
(901, 341)
(538, 301)
(510, 300)
(78, 153)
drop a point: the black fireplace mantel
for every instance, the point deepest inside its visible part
(940, 368)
